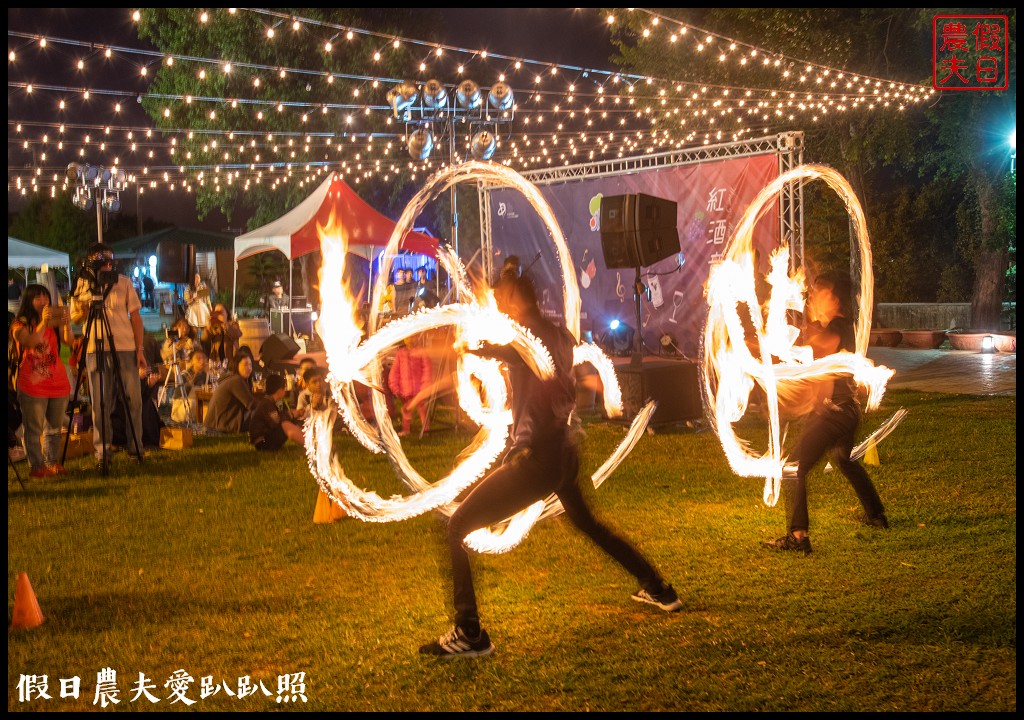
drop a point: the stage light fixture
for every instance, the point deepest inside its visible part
(500, 96)
(468, 95)
(435, 96)
(483, 145)
(111, 203)
(402, 97)
(617, 339)
(421, 143)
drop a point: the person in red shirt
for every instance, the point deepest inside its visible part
(42, 383)
(410, 373)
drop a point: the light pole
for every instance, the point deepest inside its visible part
(99, 186)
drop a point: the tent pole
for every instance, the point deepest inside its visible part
(234, 290)
(291, 325)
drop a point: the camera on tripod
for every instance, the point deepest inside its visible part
(96, 273)
(171, 334)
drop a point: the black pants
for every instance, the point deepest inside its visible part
(526, 477)
(831, 429)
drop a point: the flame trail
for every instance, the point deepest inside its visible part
(352, 360)
(781, 368)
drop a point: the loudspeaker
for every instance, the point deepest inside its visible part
(637, 230)
(673, 384)
(277, 348)
(176, 262)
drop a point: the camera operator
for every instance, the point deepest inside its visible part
(98, 282)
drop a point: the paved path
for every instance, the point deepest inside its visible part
(949, 371)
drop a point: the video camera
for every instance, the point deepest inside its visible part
(95, 270)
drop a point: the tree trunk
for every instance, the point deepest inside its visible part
(990, 264)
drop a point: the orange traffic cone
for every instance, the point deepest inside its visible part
(27, 614)
(326, 510)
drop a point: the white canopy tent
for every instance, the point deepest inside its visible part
(23, 255)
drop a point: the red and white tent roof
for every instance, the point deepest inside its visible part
(295, 232)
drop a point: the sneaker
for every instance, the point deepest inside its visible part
(667, 599)
(57, 469)
(40, 472)
(878, 521)
(791, 542)
(455, 643)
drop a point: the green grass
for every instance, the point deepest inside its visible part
(207, 560)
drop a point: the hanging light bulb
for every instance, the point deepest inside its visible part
(483, 145)
(421, 143)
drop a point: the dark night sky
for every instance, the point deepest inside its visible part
(566, 36)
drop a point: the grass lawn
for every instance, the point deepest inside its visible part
(207, 561)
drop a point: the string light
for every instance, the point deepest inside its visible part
(581, 91)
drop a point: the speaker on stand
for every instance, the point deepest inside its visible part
(638, 230)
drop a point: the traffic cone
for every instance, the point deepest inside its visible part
(871, 454)
(326, 510)
(27, 614)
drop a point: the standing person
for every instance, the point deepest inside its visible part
(42, 382)
(544, 459)
(219, 340)
(424, 296)
(277, 300)
(120, 306)
(410, 372)
(148, 287)
(270, 427)
(233, 399)
(832, 426)
(199, 308)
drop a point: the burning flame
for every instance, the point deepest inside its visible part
(762, 351)
(475, 319)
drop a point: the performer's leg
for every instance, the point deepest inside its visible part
(580, 514)
(504, 492)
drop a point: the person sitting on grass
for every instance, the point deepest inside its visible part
(300, 380)
(270, 427)
(233, 400)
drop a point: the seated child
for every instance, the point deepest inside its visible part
(269, 427)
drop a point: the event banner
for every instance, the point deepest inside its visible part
(711, 197)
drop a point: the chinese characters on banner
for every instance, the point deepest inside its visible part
(291, 688)
(970, 52)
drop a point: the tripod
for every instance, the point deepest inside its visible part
(176, 382)
(97, 319)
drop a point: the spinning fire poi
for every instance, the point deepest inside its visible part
(476, 320)
(736, 356)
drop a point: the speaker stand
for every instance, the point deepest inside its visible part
(639, 290)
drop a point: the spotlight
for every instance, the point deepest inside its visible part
(468, 95)
(988, 344)
(618, 339)
(90, 173)
(74, 171)
(111, 203)
(500, 97)
(435, 96)
(421, 143)
(401, 97)
(483, 145)
(82, 199)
